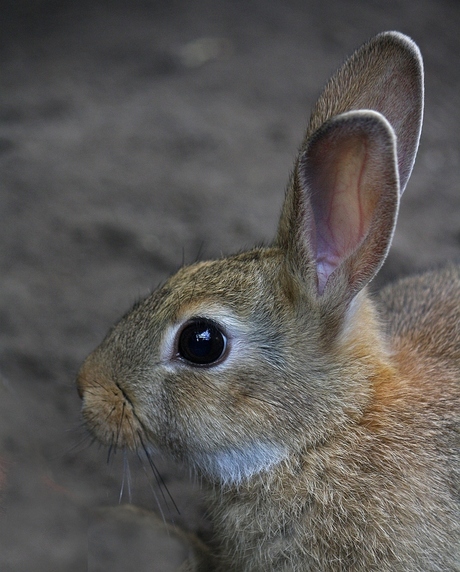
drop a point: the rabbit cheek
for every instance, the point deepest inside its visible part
(206, 425)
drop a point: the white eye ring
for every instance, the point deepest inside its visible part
(236, 332)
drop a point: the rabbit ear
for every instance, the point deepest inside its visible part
(341, 206)
(340, 211)
(385, 75)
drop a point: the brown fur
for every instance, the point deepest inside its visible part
(328, 430)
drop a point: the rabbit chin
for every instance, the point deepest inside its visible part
(235, 465)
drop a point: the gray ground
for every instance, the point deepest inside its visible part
(135, 135)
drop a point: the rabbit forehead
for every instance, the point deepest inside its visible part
(238, 282)
(212, 310)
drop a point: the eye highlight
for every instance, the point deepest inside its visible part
(201, 342)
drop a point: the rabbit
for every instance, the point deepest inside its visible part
(324, 420)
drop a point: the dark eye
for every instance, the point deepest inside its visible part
(201, 342)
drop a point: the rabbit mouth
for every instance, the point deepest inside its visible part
(108, 412)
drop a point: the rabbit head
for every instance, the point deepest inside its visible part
(236, 364)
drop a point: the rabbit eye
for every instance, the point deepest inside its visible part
(201, 342)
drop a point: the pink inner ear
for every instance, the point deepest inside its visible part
(339, 177)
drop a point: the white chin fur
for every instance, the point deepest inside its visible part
(232, 466)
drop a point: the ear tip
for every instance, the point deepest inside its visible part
(401, 39)
(364, 122)
(408, 48)
(405, 54)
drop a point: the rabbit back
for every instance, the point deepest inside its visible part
(423, 312)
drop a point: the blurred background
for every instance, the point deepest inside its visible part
(134, 136)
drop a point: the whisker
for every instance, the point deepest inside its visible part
(106, 419)
(126, 479)
(155, 496)
(122, 487)
(120, 423)
(200, 251)
(159, 479)
(109, 453)
(83, 442)
(128, 473)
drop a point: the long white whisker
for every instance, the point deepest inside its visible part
(155, 496)
(127, 471)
